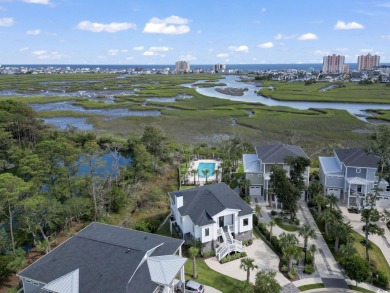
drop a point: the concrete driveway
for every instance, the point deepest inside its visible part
(264, 258)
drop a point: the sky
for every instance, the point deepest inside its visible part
(201, 32)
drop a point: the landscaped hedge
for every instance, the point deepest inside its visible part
(247, 242)
(231, 257)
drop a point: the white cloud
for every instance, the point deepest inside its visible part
(321, 52)
(187, 57)
(222, 55)
(139, 48)
(44, 2)
(33, 32)
(386, 37)
(159, 49)
(241, 48)
(42, 54)
(308, 37)
(342, 49)
(342, 25)
(149, 53)
(129, 58)
(172, 25)
(284, 37)
(116, 52)
(112, 27)
(23, 49)
(266, 45)
(387, 5)
(366, 50)
(7, 21)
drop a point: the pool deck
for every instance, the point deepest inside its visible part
(202, 181)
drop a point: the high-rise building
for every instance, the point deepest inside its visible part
(367, 62)
(219, 67)
(182, 66)
(334, 64)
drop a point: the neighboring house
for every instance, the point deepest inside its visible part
(350, 175)
(104, 258)
(213, 214)
(257, 167)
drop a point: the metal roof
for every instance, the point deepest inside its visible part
(251, 163)
(163, 269)
(329, 165)
(357, 181)
(68, 283)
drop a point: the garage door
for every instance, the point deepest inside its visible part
(383, 201)
(334, 191)
(255, 190)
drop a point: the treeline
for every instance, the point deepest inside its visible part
(42, 192)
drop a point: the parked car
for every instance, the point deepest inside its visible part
(190, 287)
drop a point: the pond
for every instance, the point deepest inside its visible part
(63, 122)
(356, 109)
(107, 165)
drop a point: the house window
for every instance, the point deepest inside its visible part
(207, 232)
(250, 175)
(259, 175)
(245, 222)
(358, 170)
(388, 188)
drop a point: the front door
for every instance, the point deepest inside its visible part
(221, 221)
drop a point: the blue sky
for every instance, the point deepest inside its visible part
(201, 32)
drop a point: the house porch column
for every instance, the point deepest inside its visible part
(349, 191)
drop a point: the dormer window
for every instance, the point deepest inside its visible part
(358, 170)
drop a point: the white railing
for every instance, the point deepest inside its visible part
(226, 248)
(231, 228)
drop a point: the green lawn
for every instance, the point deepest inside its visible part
(289, 228)
(376, 254)
(359, 289)
(311, 286)
(212, 278)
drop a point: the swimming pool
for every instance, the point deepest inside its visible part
(204, 166)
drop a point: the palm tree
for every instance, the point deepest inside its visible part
(347, 249)
(314, 189)
(328, 217)
(306, 231)
(271, 224)
(217, 172)
(319, 200)
(340, 230)
(194, 172)
(312, 251)
(258, 211)
(205, 172)
(244, 183)
(288, 243)
(193, 252)
(247, 264)
(332, 200)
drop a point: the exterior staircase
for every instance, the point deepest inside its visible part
(229, 244)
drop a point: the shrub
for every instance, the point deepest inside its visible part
(209, 253)
(247, 242)
(274, 213)
(309, 269)
(292, 273)
(263, 230)
(380, 279)
(255, 220)
(284, 268)
(275, 243)
(231, 257)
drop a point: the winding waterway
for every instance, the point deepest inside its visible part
(356, 109)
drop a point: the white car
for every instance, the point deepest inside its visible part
(190, 286)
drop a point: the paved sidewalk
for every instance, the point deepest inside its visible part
(382, 242)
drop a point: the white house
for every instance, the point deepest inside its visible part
(213, 214)
(351, 174)
(257, 167)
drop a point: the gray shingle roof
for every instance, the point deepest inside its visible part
(106, 256)
(356, 157)
(276, 153)
(202, 203)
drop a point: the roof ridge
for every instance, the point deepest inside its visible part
(109, 243)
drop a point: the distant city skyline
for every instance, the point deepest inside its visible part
(200, 32)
